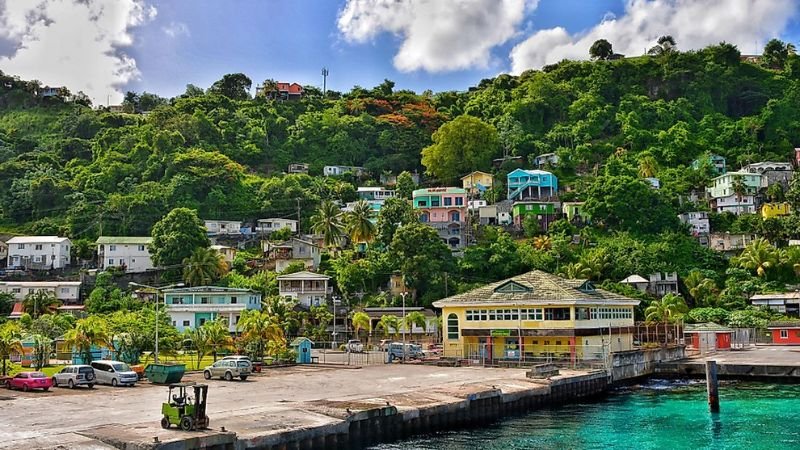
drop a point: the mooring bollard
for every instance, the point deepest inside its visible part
(712, 386)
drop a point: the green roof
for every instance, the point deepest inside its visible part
(708, 326)
(135, 240)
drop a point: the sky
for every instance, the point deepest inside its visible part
(107, 47)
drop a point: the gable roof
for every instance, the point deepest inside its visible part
(477, 172)
(536, 287)
(635, 279)
(37, 240)
(529, 172)
(304, 275)
(135, 240)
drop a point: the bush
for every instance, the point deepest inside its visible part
(703, 315)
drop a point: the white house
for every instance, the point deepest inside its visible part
(39, 252)
(228, 253)
(191, 307)
(330, 171)
(475, 205)
(293, 250)
(65, 291)
(307, 288)
(697, 220)
(377, 194)
(129, 252)
(3, 252)
(215, 227)
(267, 226)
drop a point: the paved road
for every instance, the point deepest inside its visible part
(60, 411)
(767, 354)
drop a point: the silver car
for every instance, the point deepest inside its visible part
(115, 373)
(71, 376)
(228, 369)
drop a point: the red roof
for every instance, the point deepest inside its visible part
(16, 312)
(292, 88)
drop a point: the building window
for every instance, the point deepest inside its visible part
(16, 290)
(202, 322)
(784, 334)
(420, 204)
(37, 258)
(141, 248)
(459, 201)
(38, 247)
(186, 323)
(435, 201)
(110, 261)
(233, 300)
(21, 246)
(448, 201)
(556, 314)
(112, 248)
(452, 326)
(204, 300)
(64, 290)
(455, 217)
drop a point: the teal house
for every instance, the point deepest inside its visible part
(191, 307)
(531, 185)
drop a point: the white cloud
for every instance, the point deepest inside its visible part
(175, 29)
(73, 43)
(436, 35)
(693, 23)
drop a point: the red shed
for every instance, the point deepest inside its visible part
(785, 332)
(708, 337)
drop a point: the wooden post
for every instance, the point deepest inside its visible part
(712, 386)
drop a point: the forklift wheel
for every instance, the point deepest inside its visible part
(165, 423)
(187, 424)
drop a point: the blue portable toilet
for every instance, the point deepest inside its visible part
(302, 346)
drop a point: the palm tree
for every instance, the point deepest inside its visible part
(669, 309)
(359, 223)
(10, 342)
(218, 336)
(542, 242)
(197, 340)
(89, 332)
(390, 324)
(665, 44)
(648, 166)
(701, 288)
(328, 223)
(414, 318)
(601, 49)
(791, 258)
(759, 255)
(576, 271)
(740, 189)
(203, 267)
(40, 302)
(260, 327)
(361, 320)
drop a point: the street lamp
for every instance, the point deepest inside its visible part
(403, 313)
(157, 290)
(336, 301)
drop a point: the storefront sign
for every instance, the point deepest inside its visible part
(501, 333)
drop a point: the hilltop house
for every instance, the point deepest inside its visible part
(727, 242)
(191, 307)
(531, 185)
(130, 253)
(717, 163)
(229, 227)
(39, 252)
(282, 91)
(575, 213)
(786, 303)
(534, 315)
(546, 159)
(697, 221)
(297, 168)
(772, 172)
(545, 213)
(293, 250)
(375, 194)
(770, 210)
(68, 292)
(723, 197)
(228, 253)
(477, 182)
(330, 171)
(267, 226)
(444, 209)
(307, 288)
(658, 284)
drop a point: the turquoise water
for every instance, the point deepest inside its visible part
(657, 415)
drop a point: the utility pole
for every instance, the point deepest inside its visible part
(298, 214)
(324, 81)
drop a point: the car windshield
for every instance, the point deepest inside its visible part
(244, 364)
(85, 370)
(121, 367)
(37, 375)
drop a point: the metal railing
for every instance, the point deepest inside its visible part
(488, 355)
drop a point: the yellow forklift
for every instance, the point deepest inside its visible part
(183, 409)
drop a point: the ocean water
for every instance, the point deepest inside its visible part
(657, 415)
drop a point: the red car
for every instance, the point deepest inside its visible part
(30, 380)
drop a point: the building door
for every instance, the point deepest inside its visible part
(511, 348)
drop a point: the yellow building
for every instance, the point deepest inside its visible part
(769, 210)
(477, 182)
(537, 315)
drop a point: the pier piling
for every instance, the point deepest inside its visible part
(712, 386)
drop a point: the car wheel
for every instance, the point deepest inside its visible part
(25, 388)
(55, 382)
(165, 423)
(91, 385)
(207, 375)
(228, 376)
(187, 423)
(243, 377)
(46, 389)
(71, 384)
(114, 382)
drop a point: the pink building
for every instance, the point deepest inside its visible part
(445, 209)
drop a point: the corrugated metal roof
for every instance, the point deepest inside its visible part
(708, 326)
(135, 240)
(36, 240)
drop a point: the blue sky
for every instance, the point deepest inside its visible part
(106, 47)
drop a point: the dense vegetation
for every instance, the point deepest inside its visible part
(68, 169)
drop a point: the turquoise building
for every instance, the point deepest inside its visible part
(531, 185)
(191, 307)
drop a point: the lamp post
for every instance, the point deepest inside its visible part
(157, 291)
(336, 300)
(404, 294)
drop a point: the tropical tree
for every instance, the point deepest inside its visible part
(405, 185)
(359, 223)
(701, 288)
(361, 321)
(462, 145)
(328, 223)
(601, 49)
(648, 166)
(740, 190)
(92, 331)
(259, 328)
(196, 339)
(412, 319)
(790, 257)
(176, 236)
(390, 324)
(217, 335)
(576, 271)
(669, 309)
(542, 242)
(42, 347)
(40, 302)
(204, 267)
(775, 54)
(759, 256)
(10, 341)
(665, 45)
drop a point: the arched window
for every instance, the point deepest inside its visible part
(452, 326)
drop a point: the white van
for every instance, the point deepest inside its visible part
(115, 373)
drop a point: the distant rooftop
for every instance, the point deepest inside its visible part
(134, 240)
(37, 240)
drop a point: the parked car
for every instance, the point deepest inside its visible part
(412, 351)
(383, 343)
(228, 369)
(354, 346)
(71, 376)
(434, 350)
(115, 373)
(30, 380)
(238, 358)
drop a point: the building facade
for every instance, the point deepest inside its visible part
(785, 332)
(536, 315)
(306, 288)
(331, 171)
(228, 253)
(291, 251)
(786, 303)
(68, 292)
(697, 221)
(267, 226)
(444, 209)
(770, 210)
(477, 182)
(545, 159)
(724, 198)
(39, 252)
(545, 213)
(717, 163)
(129, 253)
(727, 242)
(229, 227)
(531, 185)
(772, 173)
(191, 307)
(375, 194)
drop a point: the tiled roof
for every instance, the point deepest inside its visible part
(536, 287)
(135, 240)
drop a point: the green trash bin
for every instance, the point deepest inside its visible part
(165, 373)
